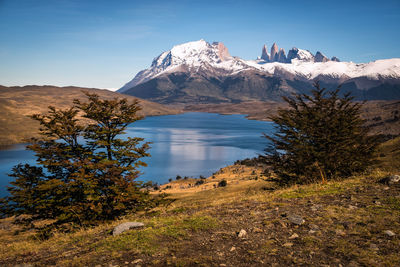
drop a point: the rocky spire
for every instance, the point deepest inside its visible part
(335, 59)
(223, 52)
(281, 56)
(264, 53)
(292, 54)
(274, 53)
(319, 57)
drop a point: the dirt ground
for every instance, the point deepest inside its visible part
(340, 224)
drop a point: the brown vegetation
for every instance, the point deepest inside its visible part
(345, 224)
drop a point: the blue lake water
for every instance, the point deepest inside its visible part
(190, 144)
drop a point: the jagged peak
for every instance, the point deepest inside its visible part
(214, 58)
(319, 57)
(264, 53)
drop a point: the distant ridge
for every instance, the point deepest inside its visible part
(200, 72)
(17, 102)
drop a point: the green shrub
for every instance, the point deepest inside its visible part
(222, 183)
(320, 137)
(85, 173)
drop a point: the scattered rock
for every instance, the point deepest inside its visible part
(126, 226)
(373, 247)
(222, 264)
(288, 244)
(314, 208)
(257, 230)
(389, 233)
(351, 207)
(346, 225)
(242, 233)
(340, 232)
(314, 227)
(294, 236)
(232, 249)
(283, 224)
(296, 219)
(391, 179)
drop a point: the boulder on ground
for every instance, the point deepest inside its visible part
(126, 226)
(296, 219)
(390, 179)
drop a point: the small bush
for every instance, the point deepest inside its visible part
(199, 182)
(222, 183)
(178, 177)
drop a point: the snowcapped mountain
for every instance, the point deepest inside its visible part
(203, 72)
(192, 56)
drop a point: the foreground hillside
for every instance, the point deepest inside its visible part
(16, 103)
(249, 222)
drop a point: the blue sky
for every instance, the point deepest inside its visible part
(103, 44)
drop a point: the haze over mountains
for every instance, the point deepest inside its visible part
(200, 72)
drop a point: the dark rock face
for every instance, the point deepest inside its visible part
(319, 57)
(335, 59)
(292, 54)
(281, 56)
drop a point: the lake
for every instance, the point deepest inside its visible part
(189, 144)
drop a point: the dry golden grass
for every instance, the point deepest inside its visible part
(200, 226)
(17, 103)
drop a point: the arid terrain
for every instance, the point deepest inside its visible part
(17, 103)
(249, 222)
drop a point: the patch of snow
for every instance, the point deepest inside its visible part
(202, 55)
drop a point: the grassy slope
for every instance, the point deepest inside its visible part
(344, 224)
(16, 103)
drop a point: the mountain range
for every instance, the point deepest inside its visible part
(202, 72)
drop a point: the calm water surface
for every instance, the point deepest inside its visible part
(190, 144)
